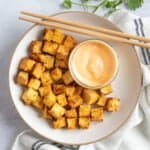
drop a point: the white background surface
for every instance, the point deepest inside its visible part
(11, 30)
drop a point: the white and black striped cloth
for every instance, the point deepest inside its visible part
(139, 27)
(135, 134)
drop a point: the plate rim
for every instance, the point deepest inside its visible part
(92, 141)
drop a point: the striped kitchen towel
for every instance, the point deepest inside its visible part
(135, 134)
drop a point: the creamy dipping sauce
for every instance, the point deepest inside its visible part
(93, 63)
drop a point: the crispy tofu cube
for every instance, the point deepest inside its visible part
(38, 70)
(84, 110)
(57, 111)
(58, 36)
(26, 64)
(78, 90)
(58, 88)
(46, 78)
(71, 123)
(113, 104)
(50, 48)
(90, 96)
(34, 83)
(56, 74)
(106, 90)
(29, 96)
(69, 42)
(62, 52)
(72, 113)
(61, 99)
(48, 35)
(38, 104)
(22, 78)
(44, 90)
(59, 123)
(101, 100)
(70, 90)
(74, 101)
(67, 78)
(36, 46)
(84, 122)
(61, 63)
(45, 113)
(50, 99)
(97, 114)
(35, 56)
(47, 60)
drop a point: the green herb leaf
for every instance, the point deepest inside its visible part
(67, 4)
(134, 4)
(112, 4)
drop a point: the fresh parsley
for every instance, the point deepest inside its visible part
(67, 4)
(111, 5)
(134, 4)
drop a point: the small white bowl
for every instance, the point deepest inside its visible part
(78, 79)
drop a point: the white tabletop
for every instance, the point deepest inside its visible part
(11, 30)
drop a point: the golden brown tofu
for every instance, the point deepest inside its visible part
(69, 42)
(58, 36)
(70, 90)
(59, 123)
(71, 123)
(29, 96)
(97, 114)
(22, 78)
(101, 100)
(36, 46)
(56, 74)
(45, 113)
(74, 101)
(38, 104)
(78, 90)
(61, 99)
(61, 63)
(50, 47)
(50, 89)
(38, 70)
(26, 64)
(47, 60)
(84, 110)
(44, 90)
(57, 111)
(113, 104)
(46, 78)
(90, 96)
(58, 88)
(34, 83)
(72, 113)
(48, 35)
(84, 122)
(67, 78)
(50, 99)
(35, 56)
(106, 90)
(62, 52)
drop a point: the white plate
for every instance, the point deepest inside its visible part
(126, 86)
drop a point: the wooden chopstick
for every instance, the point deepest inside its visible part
(85, 31)
(89, 27)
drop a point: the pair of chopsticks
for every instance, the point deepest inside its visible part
(103, 33)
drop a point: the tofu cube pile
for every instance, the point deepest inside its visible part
(51, 90)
